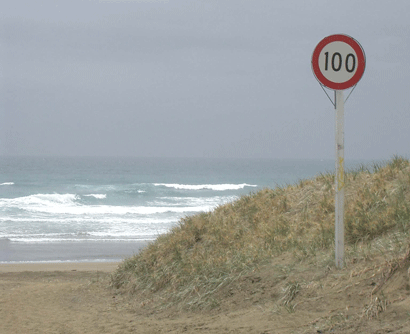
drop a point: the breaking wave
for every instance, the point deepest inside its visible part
(98, 196)
(215, 187)
(72, 204)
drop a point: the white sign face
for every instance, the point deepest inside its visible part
(338, 62)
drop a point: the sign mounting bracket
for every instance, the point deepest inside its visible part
(350, 92)
(334, 104)
(330, 99)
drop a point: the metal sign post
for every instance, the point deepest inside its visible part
(338, 63)
(340, 179)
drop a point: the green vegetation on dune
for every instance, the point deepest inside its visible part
(208, 251)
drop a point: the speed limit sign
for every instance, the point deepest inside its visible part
(338, 62)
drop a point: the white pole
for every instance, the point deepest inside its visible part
(340, 180)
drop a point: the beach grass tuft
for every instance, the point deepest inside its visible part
(208, 251)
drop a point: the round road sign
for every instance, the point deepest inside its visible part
(338, 62)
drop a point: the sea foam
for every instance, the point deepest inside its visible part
(70, 204)
(98, 196)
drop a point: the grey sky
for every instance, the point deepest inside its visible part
(198, 78)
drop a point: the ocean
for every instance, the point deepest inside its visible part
(105, 209)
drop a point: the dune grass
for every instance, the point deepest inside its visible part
(208, 251)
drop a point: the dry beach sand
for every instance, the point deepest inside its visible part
(75, 298)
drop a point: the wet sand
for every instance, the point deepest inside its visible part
(58, 266)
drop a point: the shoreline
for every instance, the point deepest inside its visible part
(58, 266)
(70, 251)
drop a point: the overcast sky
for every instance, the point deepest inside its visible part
(198, 78)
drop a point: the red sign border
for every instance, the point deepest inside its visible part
(361, 59)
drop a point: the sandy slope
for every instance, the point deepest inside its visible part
(75, 299)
